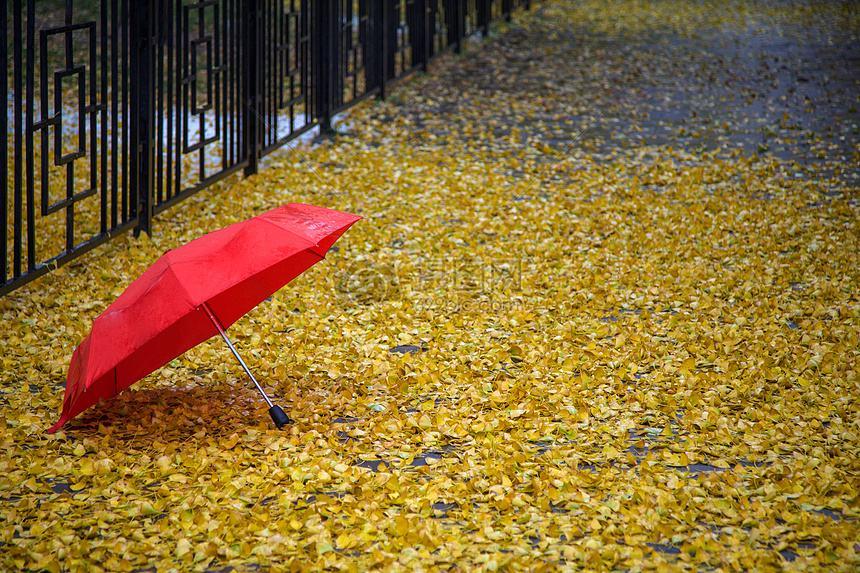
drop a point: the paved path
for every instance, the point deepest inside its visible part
(779, 79)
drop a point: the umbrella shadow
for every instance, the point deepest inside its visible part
(169, 413)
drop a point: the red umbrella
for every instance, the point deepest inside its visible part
(193, 293)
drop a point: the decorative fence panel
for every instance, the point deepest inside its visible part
(117, 109)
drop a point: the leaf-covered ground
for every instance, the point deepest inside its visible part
(602, 313)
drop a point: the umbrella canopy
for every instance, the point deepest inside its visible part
(181, 299)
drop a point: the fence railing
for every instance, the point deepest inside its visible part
(117, 109)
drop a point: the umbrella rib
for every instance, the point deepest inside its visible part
(293, 233)
(169, 263)
(235, 352)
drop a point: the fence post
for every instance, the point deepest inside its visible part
(323, 36)
(484, 7)
(428, 35)
(142, 111)
(419, 40)
(251, 80)
(459, 24)
(432, 9)
(382, 46)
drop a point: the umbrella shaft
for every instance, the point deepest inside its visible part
(235, 352)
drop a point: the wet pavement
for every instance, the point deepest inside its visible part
(781, 83)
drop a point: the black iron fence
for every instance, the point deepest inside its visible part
(117, 109)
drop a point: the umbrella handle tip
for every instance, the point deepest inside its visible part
(279, 417)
